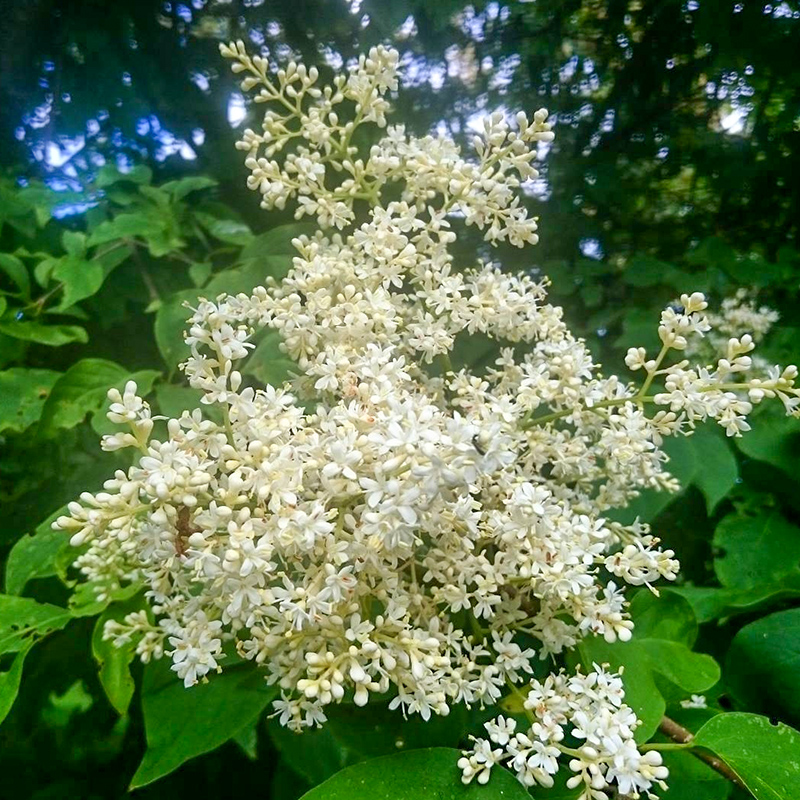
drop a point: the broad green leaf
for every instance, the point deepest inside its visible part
(231, 231)
(774, 439)
(762, 668)
(81, 279)
(9, 683)
(23, 393)
(277, 241)
(247, 739)
(127, 226)
(36, 556)
(23, 620)
(666, 615)
(44, 269)
(114, 662)
(251, 274)
(755, 551)
(83, 601)
(430, 774)
(200, 272)
(112, 256)
(354, 734)
(109, 175)
(51, 335)
(17, 271)
(170, 325)
(183, 723)
(710, 603)
(11, 350)
(717, 468)
(174, 400)
(183, 186)
(81, 390)
(765, 756)
(375, 731)
(74, 242)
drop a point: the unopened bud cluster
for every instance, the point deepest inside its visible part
(388, 523)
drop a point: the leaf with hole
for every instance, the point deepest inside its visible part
(23, 393)
(765, 756)
(23, 620)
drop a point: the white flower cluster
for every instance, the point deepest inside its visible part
(738, 316)
(586, 708)
(389, 522)
(326, 176)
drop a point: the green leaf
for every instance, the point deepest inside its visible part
(23, 393)
(354, 734)
(183, 723)
(756, 551)
(23, 620)
(430, 774)
(74, 242)
(174, 400)
(375, 730)
(18, 273)
(183, 186)
(125, 226)
(9, 683)
(710, 603)
(200, 272)
(83, 601)
(717, 468)
(773, 439)
(170, 325)
(762, 668)
(277, 241)
(232, 231)
(114, 662)
(37, 555)
(81, 279)
(81, 390)
(765, 756)
(247, 739)
(268, 363)
(109, 175)
(251, 274)
(51, 335)
(666, 615)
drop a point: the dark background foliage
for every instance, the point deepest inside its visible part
(674, 168)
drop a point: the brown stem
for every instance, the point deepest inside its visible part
(680, 734)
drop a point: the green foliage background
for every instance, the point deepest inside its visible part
(647, 192)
